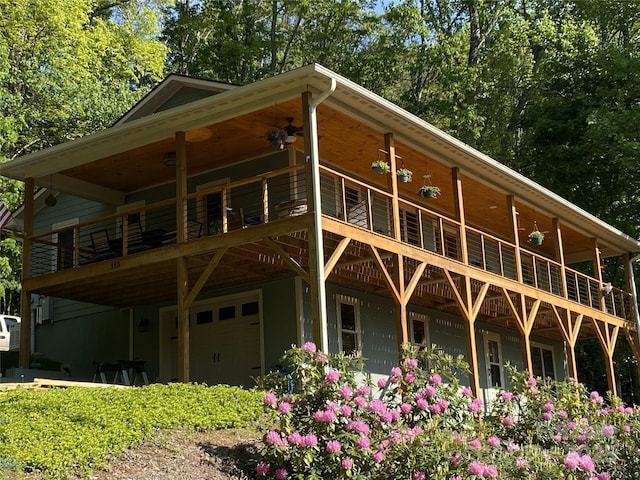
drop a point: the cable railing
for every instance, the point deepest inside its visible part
(369, 207)
(220, 208)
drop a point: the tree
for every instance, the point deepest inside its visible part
(67, 68)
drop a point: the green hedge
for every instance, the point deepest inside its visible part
(76, 430)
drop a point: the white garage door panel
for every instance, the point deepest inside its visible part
(224, 342)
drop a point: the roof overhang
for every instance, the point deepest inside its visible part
(349, 98)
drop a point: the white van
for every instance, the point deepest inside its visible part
(6, 322)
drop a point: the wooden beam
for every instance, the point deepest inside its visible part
(335, 256)
(385, 274)
(393, 185)
(183, 320)
(24, 357)
(413, 283)
(181, 187)
(295, 266)
(204, 276)
(608, 336)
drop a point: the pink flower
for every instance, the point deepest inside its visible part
(295, 438)
(549, 407)
(411, 362)
(377, 456)
(626, 428)
(405, 408)
(281, 473)
(562, 414)
(345, 392)
(455, 459)
(572, 460)
(284, 407)
(396, 372)
(382, 382)
(347, 463)
(508, 421)
(475, 443)
(262, 468)
(358, 426)
(522, 463)
(435, 379)
(493, 441)
(269, 399)
(475, 405)
(321, 357)
(272, 438)
(345, 410)
(506, 396)
(586, 464)
(547, 416)
(532, 382)
(377, 406)
(476, 468)
(409, 377)
(309, 440)
(360, 402)
(467, 392)
(596, 398)
(604, 476)
(364, 390)
(422, 404)
(429, 391)
(490, 471)
(332, 376)
(608, 430)
(363, 443)
(333, 446)
(309, 347)
(443, 404)
(419, 476)
(435, 409)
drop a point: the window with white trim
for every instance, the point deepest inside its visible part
(348, 324)
(418, 329)
(542, 361)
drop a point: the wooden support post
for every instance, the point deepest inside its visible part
(181, 187)
(597, 273)
(459, 209)
(569, 329)
(560, 256)
(515, 238)
(469, 309)
(24, 356)
(393, 184)
(182, 270)
(608, 336)
(183, 321)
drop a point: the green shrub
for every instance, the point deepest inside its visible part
(78, 429)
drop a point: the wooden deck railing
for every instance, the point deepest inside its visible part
(265, 198)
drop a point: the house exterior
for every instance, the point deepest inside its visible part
(214, 225)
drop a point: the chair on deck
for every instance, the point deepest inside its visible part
(135, 238)
(194, 229)
(101, 245)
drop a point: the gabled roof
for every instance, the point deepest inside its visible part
(137, 130)
(173, 91)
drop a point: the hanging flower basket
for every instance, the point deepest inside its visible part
(380, 167)
(404, 175)
(429, 191)
(536, 237)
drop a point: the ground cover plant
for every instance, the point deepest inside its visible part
(76, 430)
(420, 423)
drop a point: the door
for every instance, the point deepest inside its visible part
(493, 364)
(224, 342)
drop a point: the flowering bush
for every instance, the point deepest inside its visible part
(419, 423)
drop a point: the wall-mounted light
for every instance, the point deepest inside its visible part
(169, 159)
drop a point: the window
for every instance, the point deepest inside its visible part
(450, 243)
(204, 317)
(542, 361)
(63, 244)
(418, 329)
(348, 324)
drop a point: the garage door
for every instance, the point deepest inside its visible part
(224, 341)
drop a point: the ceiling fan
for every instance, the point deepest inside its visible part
(281, 136)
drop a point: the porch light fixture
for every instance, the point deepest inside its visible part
(169, 159)
(50, 201)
